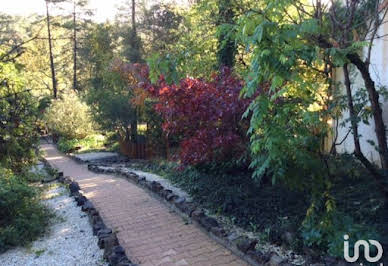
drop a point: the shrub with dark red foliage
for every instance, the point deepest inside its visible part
(206, 116)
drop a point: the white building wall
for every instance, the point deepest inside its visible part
(379, 72)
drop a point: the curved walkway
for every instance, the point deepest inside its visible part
(149, 231)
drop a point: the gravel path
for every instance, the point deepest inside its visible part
(70, 240)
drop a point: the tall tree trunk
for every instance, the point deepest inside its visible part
(226, 45)
(134, 36)
(134, 17)
(53, 78)
(74, 48)
(376, 108)
(352, 112)
(357, 147)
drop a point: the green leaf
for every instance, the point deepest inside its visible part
(277, 82)
(259, 33)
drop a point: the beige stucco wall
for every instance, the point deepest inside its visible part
(379, 72)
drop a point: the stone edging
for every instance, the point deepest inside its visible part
(107, 239)
(114, 253)
(243, 247)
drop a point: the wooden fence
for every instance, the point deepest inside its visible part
(134, 150)
(143, 149)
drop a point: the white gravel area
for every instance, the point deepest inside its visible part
(70, 239)
(96, 156)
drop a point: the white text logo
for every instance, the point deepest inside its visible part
(365, 244)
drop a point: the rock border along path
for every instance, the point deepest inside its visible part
(149, 231)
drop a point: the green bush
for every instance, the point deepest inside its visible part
(92, 142)
(22, 217)
(325, 232)
(69, 117)
(352, 205)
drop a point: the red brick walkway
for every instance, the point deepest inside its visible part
(149, 232)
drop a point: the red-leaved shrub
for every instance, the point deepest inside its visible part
(206, 116)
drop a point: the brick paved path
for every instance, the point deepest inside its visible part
(147, 229)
